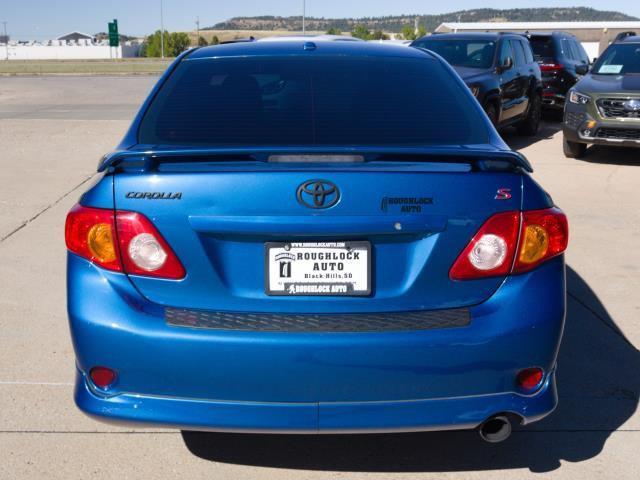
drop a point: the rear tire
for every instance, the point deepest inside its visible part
(492, 112)
(573, 149)
(531, 124)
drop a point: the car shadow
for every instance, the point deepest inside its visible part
(548, 128)
(612, 155)
(599, 383)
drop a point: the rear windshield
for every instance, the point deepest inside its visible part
(267, 101)
(619, 59)
(543, 48)
(462, 53)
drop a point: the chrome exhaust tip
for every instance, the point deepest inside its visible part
(495, 429)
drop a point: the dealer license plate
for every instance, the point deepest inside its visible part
(318, 268)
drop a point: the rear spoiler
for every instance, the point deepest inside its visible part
(482, 158)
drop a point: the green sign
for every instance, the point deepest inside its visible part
(114, 38)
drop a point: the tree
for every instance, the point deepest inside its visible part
(334, 31)
(202, 42)
(409, 33)
(152, 46)
(360, 31)
(178, 43)
(174, 44)
(379, 35)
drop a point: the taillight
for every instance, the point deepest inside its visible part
(143, 250)
(551, 67)
(121, 241)
(544, 234)
(490, 252)
(512, 242)
(91, 233)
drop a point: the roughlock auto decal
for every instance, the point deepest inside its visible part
(405, 204)
(155, 195)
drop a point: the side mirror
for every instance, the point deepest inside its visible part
(507, 63)
(595, 59)
(582, 69)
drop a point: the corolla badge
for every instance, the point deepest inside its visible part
(632, 105)
(318, 194)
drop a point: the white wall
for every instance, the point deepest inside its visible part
(67, 52)
(592, 48)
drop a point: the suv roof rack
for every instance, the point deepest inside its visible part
(239, 40)
(551, 32)
(623, 35)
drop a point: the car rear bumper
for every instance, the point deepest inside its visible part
(448, 377)
(455, 413)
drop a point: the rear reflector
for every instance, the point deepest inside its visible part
(121, 241)
(102, 377)
(536, 236)
(529, 378)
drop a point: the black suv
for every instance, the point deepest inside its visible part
(563, 60)
(500, 70)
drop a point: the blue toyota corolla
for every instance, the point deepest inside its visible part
(315, 237)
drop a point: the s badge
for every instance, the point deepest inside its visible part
(503, 194)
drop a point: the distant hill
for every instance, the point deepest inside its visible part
(396, 22)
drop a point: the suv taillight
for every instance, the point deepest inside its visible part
(121, 241)
(551, 67)
(512, 242)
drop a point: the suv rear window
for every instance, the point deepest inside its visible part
(319, 100)
(543, 48)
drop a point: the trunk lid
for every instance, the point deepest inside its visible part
(416, 216)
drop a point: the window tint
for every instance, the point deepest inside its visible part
(518, 51)
(543, 48)
(462, 53)
(506, 52)
(528, 54)
(569, 49)
(319, 100)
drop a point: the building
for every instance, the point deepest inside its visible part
(594, 36)
(75, 36)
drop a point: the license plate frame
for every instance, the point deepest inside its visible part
(315, 287)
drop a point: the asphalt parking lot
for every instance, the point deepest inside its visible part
(52, 133)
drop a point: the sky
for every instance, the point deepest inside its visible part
(46, 19)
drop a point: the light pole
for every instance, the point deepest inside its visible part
(197, 31)
(304, 14)
(161, 31)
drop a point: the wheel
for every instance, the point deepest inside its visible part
(492, 112)
(530, 125)
(573, 149)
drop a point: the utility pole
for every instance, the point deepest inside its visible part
(161, 31)
(304, 15)
(6, 40)
(197, 31)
